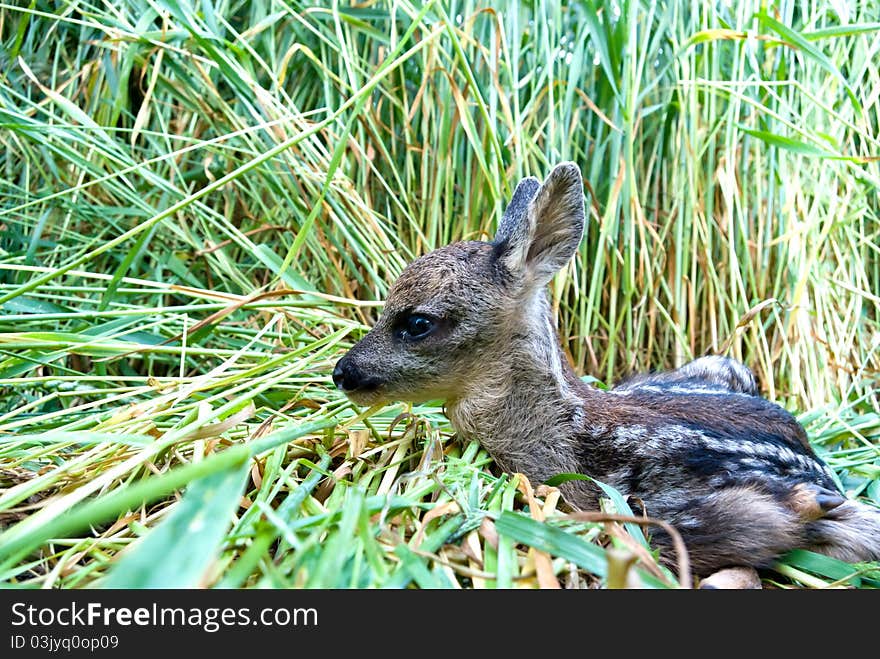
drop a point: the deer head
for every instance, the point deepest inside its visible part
(458, 312)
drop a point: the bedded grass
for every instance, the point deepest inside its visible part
(202, 206)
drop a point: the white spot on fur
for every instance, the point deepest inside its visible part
(631, 433)
(678, 389)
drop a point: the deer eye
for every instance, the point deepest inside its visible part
(415, 326)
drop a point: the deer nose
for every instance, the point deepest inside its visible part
(347, 377)
(344, 376)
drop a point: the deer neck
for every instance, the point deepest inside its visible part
(526, 407)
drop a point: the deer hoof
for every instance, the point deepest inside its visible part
(737, 578)
(812, 501)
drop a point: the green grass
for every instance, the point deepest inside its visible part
(202, 206)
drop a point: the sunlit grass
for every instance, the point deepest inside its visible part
(201, 211)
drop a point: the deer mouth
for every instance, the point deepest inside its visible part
(367, 397)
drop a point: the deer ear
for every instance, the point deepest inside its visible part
(514, 225)
(539, 240)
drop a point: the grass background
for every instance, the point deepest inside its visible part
(202, 205)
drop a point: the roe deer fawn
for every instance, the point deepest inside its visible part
(471, 324)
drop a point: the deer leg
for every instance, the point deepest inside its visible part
(729, 373)
(736, 578)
